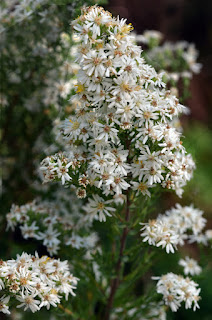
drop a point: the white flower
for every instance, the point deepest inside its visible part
(62, 171)
(176, 289)
(117, 183)
(36, 282)
(172, 229)
(106, 132)
(101, 161)
(25, 279)
(141, 187)
(28, 302)
(198, 238)
(49, 299)
(51, 217)
(64, 88)
(29, 231)
(75, 241)
(149, 35)
(190, 266)
(208, 234)
(49, 237)
(126, 110)
(152, 159)
(94, 63)
(67, 284)
(97, 208)
(3, 304)
(151, 175)
(168, 241)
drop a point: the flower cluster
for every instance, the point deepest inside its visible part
(174, 227)
(121, 135)
(178, 59)
(56, 167)
(60, 82)
(52, 225)
(46, 46)
(190, 266)
(38, 77)
(34, 282)
(152, 38)
(17, 11)
(176, 289)
(169, 52)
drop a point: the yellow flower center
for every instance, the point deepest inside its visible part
(75, 124)
(80, 88)
(142, 187)
(100, 206)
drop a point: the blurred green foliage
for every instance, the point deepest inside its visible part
(198, 141)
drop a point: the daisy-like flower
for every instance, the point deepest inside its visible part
(126, 110)
(83, 181)
(75, 241)
(62, 171)
(71, 128)
(49, 237)
(117, 183)
(3, 304)
(94, 63)
(152, 158)
(168, 241)
(97, 208)
(190, 266)
(25, 279)
(49, 299)
(152, 175)
(28, 301)
(106, 132)
(29, 231)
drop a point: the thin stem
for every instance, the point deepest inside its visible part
(65, 309)
(69, 312)
(115, 282)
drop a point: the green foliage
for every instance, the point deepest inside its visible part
(198, 142)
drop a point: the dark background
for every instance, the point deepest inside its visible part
(189, 20)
